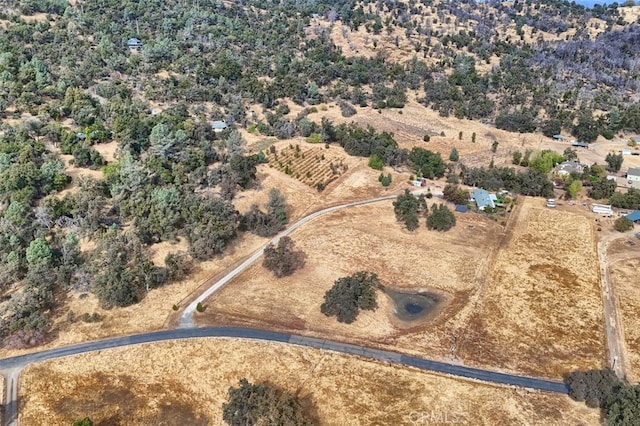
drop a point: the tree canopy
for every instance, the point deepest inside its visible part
(258, 404)
(350, 294)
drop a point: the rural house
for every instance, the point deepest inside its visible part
(633, 174)
(483, 199)
(134, 44)
(219, 126)
(634, 217)
(570, 166)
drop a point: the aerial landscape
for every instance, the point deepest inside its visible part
(320, 212)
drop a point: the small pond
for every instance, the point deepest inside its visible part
(410, 306)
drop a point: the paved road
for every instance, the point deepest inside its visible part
(186, 320)
(11, 367)
(19, 362)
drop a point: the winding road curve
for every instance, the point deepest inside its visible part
(186, 320)
(16, 364)
(11, 367)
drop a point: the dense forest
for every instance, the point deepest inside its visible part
(69, 81)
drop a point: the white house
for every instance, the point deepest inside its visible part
(633, 174)
(570, 166)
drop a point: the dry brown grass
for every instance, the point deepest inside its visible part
(533, 307)
(624, 277)
(540, 310)
(185, 382)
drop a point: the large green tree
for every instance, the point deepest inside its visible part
(282, 259)
(350, 294)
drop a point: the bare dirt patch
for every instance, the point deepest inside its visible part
(624, 276)
(186, 383)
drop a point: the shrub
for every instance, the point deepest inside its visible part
(375, 162)
(350, 294)
(199, 307)
(83, 422)
(263, 404)
(623, 224)
(426, 138)
(385, 180)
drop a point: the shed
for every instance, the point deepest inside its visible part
(633, 174)
(219, 126)
(462, 209)
(634, 217)
(134, 43)
(483, 199)
(626, 151)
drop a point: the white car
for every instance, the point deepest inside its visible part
(551, 202)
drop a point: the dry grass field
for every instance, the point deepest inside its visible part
(624, 277)
(185, 383)
(363, 238)
(540, 311)
(517, 302)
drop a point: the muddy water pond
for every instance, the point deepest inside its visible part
(411, 306)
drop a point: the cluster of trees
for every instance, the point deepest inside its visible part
(163, 187)
(426, 163)
(265, 403)
(528, 82)
(628, 200)
(350, 294)
(408, 208)
(529, 182)
(619, 402)
(267, 223)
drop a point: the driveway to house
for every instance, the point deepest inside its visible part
(186, 319)
(11, 367)
(612, 320)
